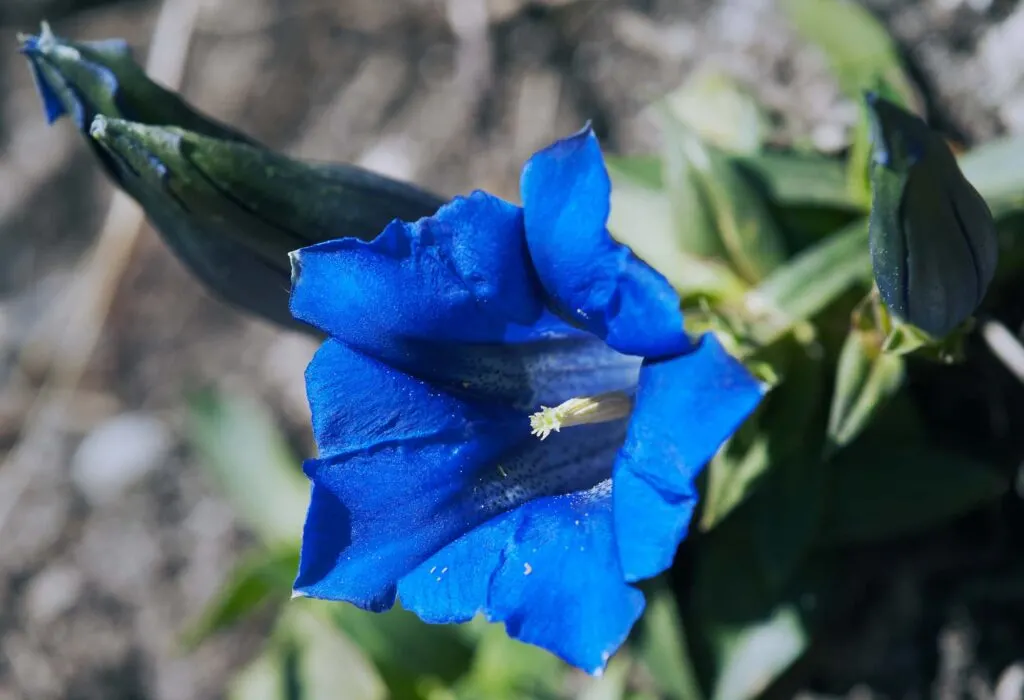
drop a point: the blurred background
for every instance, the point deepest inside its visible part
(129, 398)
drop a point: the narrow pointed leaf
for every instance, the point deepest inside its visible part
(866, 378)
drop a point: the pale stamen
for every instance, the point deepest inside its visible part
(581, 411)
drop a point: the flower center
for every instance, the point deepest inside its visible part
(581, 411)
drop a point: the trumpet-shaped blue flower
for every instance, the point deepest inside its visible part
(509, 415)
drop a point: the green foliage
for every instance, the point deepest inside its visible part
(769, 249)
(237, 443)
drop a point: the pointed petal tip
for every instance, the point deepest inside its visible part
(295, 262)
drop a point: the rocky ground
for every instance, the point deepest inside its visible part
(111, 539)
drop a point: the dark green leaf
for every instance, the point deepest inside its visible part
(265, 577)
(743, 631)
(883, 489)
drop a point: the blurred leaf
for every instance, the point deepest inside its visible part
(781, 434)
(755, 655)
(262, 679)
(642, 170)
(743, 631)
(611, 685)
(329, 666)
(866, 378)
(661, 646)
(407, 652)
(858, 162)
(810, 281)
(801, 179)
(883, 490)
(641, 217)
(859, 50)
(995, 171)
(238, 442)
(785, 513)
(506, 669)
(734, 472)
(722, 114)
(717, 210)
(262, 578)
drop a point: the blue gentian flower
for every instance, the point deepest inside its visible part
(509, 414)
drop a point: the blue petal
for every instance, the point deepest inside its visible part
(548, 570)
(686, 407)
(594, 281)
(461, 275)
(406, 469)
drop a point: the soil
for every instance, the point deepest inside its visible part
(98, 578)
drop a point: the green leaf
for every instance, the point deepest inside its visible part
(734, 472)
(506, 669)
(262, 679)
(715, 108)
(263, 578)
(661, 646)
(642, 170)
(754, 655)
(641, 217)
(995, 171)
(866, 378)
(408, 653)
(810, 282)
(801, 179)
(717, 210)
(237, 441)
(743, 631)
(611, 685)
(859, 50)
(882, 490)
(329, 665)
(780, 436)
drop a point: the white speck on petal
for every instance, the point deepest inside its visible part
(439, 579)
(444, 570)
(527, 569)
(433, 569)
